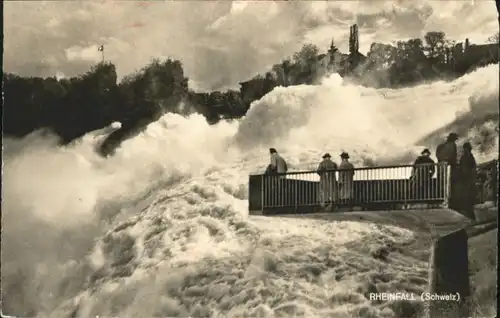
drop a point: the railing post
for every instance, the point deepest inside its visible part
(262, 193)
(295, 193)
(495, 183)
(447, 185)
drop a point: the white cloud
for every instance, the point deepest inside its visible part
(89, 53)
(53, 23)
(238, 6)
(247, 37)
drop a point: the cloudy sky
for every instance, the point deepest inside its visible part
(219, 42)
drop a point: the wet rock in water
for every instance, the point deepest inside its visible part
(381, 253)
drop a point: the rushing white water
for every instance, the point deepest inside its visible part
(162, 228)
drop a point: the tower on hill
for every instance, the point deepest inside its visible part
(353, 40)
(333, 49)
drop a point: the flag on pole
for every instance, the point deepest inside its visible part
(100, 48)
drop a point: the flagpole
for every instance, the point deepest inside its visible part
(101, 49)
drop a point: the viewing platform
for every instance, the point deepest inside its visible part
(376, 193)
(374, 188)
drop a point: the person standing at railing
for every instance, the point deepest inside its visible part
(276, 169)
(278, 164)
(447, 151)
(327, 180)
(446, 154)
(346, 178)
(467, 175)
(421, 176)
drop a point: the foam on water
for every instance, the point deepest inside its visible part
(162, 228)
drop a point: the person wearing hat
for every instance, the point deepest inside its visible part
(446, 154)
(276, 169)
(467, 161)
(346, 178)
(467, 175)
(421, 175)
(327, 180)
(278, 164)
(447, 151)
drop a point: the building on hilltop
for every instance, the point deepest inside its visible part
(482, 54)
(335, 61)
(463, 55)
(255, 88)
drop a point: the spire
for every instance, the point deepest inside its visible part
(333, 48)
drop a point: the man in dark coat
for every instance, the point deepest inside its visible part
(446, 154)
(447, 151)
(467, 175)
(421, 176)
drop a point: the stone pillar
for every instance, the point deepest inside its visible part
(449, 275)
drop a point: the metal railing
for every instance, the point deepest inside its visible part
(362, 187)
